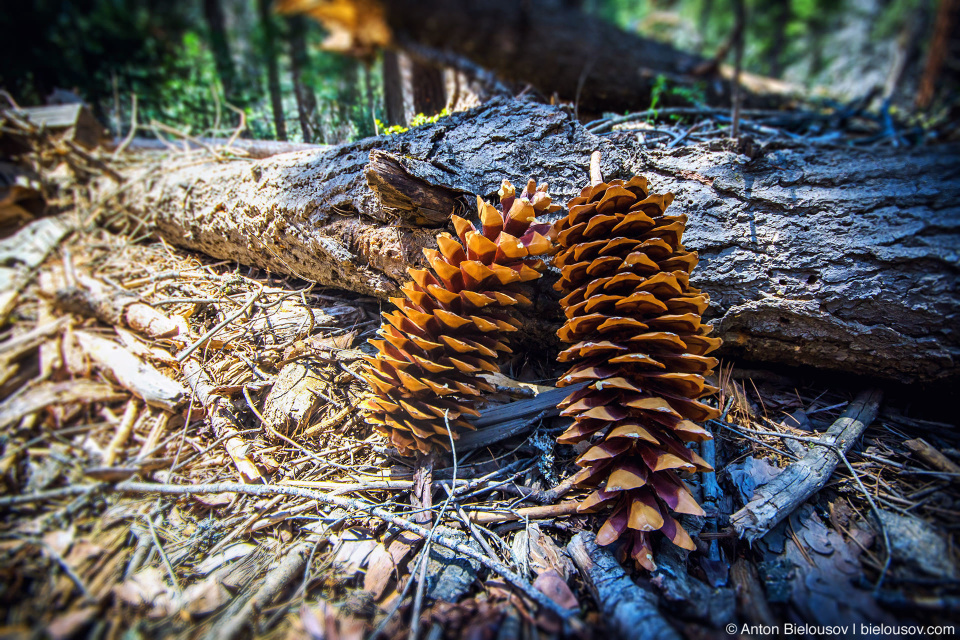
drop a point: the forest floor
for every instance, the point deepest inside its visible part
(247, 492)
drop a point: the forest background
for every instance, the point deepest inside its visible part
(194, 64)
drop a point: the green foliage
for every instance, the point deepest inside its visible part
(692, 95)
(417, 121)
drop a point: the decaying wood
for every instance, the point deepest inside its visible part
(132, 373)
(629, 610)
(292, 400)
(780, 497)
(929, 454)
(834, 258)
(531, 513)
(115, 307)
(223, 421)
(403, 194)
(47, 394)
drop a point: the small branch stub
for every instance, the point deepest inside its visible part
(596, 176)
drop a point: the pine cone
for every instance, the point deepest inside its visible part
(451, 325)
(634, 322)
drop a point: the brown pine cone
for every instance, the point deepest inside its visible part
(634, 323)
(452, 323)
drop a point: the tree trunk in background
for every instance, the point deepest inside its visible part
(371, 112)
(781, 17)
(703, 23)
(220, 46)
(429, 90)
(393, 89)
(842, 259)
(939, 50)
(273, 72)
(306, 100)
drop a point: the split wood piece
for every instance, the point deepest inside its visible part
(529, 513)
(22, 254)
(288, 569)
(13, 349)
(116, 308)
(776, 500)
(49, 393)
(926, 452)
(74, 122)
(630, 610)
(124, 429)
(421, 494)
(411, 189)
(142, 379)
(222, 420)
(545, 401)
(512, 419)
(292, 400)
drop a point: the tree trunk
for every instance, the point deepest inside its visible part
(393, 89)
(837, 258)
(273, 73)
(306, 100)
(429, 93)
(220, 46)
(781, 18)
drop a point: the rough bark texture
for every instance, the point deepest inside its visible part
(835, 258)
(629, 610)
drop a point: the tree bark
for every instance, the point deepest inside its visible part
(835, 258)
(429, 93)
(273, 72)
(393, 89)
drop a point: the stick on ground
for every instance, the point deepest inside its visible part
(629, 610)
(776, 500)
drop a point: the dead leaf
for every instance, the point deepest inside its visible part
(204, 597)
(353, 547)
(554, 587)
(385, 562)
(70, 624)
(146, 589)
(233, 552)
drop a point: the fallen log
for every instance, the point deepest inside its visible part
(556, 48)
(835, 258)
